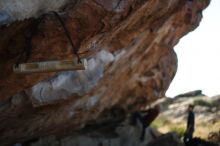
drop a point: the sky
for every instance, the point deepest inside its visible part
(199, 56)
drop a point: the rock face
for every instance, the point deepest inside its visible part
(174, 116)
(200, 142)
(128, 45)
(191, 94)
(124, 135)
(166, 140)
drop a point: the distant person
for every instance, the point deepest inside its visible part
(190, 124)
(146, 117)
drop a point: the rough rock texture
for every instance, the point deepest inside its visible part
(166, 140)
(190, 94)
(124, 135)
(131, 63)
(200, 142)
(174, 115)
(22, 9)
(207, 109)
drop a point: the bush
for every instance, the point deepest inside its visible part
(202, 102)
(160, 122)
(179, 130)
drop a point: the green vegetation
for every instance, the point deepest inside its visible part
(160, 122)
(179, 130)
(171, 121)
(202, 102)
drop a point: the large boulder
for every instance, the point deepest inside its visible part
(129, 48)
(169, 139)
(191, 94)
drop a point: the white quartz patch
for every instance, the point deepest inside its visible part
(68, 83)
(11, 10)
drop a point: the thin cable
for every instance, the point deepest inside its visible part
(28, 49)
(75, 50)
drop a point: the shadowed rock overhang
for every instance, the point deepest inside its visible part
(128, 45)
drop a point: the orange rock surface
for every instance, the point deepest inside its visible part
(139, 34)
